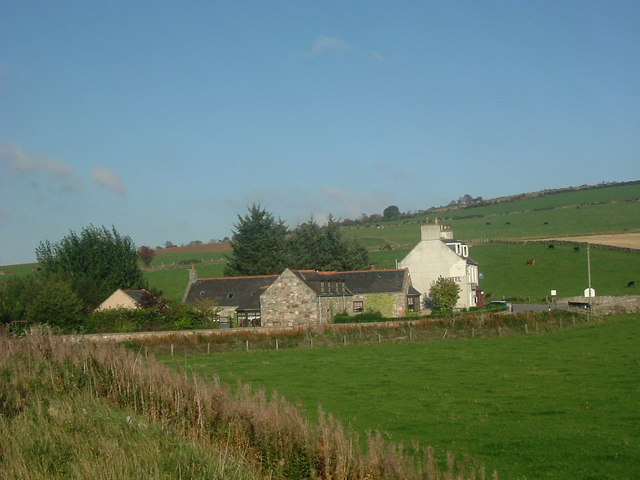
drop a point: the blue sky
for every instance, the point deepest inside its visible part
(168, 119)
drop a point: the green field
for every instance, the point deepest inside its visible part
(563, 405)
(506, 273)
(583, 220)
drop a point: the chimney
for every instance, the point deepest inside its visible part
(193, 277)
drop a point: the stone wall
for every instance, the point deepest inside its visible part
(608, 305)
(289, 302)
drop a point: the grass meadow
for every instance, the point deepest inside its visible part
(561, 405)
(513, 224)
(507, 275)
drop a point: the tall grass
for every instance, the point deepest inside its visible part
(270, 433)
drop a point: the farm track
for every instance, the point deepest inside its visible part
(622, 240)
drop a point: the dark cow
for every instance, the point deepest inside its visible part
(552, 246)
(631, 284)
(576, 249)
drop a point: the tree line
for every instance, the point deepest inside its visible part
(264, 245)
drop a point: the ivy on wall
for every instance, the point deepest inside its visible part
(380, 302)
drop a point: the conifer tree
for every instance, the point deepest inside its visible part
(258, 245)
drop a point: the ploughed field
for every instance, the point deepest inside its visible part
(560, 405)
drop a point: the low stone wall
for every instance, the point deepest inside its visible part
(189, 335)
(607, 305)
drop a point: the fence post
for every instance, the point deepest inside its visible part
(344, 339)
(172, 349)
(246, 344)
(445, 333)
(526, 329)
(276, 344)
(208, 348)
(379, 338)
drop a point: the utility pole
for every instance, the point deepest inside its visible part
(589, 279)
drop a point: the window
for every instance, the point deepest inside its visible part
(230, 295)
(358, 307)
(411, 304)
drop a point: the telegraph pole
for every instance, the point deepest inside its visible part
(589, 278)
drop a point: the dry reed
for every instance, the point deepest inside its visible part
(269, 432)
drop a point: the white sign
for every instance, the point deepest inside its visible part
(554, 293)
(589, 293)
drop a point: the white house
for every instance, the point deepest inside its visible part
(438, 254)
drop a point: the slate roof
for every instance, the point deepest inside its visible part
(354, 282)
(136, 295)
(241, 292)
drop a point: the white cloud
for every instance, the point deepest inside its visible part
(20, 162)
(108, 179)
(325, 44)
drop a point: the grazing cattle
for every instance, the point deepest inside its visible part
(546, 223)
(631, 284)
(576, 249)
(531, 261)
(552, 246)
(507, 223)
(488, 223)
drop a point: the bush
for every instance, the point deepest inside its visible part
(56, 304)
(364, 317)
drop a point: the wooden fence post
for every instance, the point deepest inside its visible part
(172, 349)
(276, 344)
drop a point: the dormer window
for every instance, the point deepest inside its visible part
(230, 295)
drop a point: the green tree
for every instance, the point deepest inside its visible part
(315, 247)
(16, 293)
(444, 294)
(94, 263)
(391, 212)
(57, 305)
(258, 243)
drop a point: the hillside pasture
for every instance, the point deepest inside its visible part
(506, 273)
(583, 197)
(562, 405)
(565, 221)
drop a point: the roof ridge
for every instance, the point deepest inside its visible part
(233, 278)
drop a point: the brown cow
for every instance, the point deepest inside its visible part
(531, 261)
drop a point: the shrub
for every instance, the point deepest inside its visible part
(364, 317)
